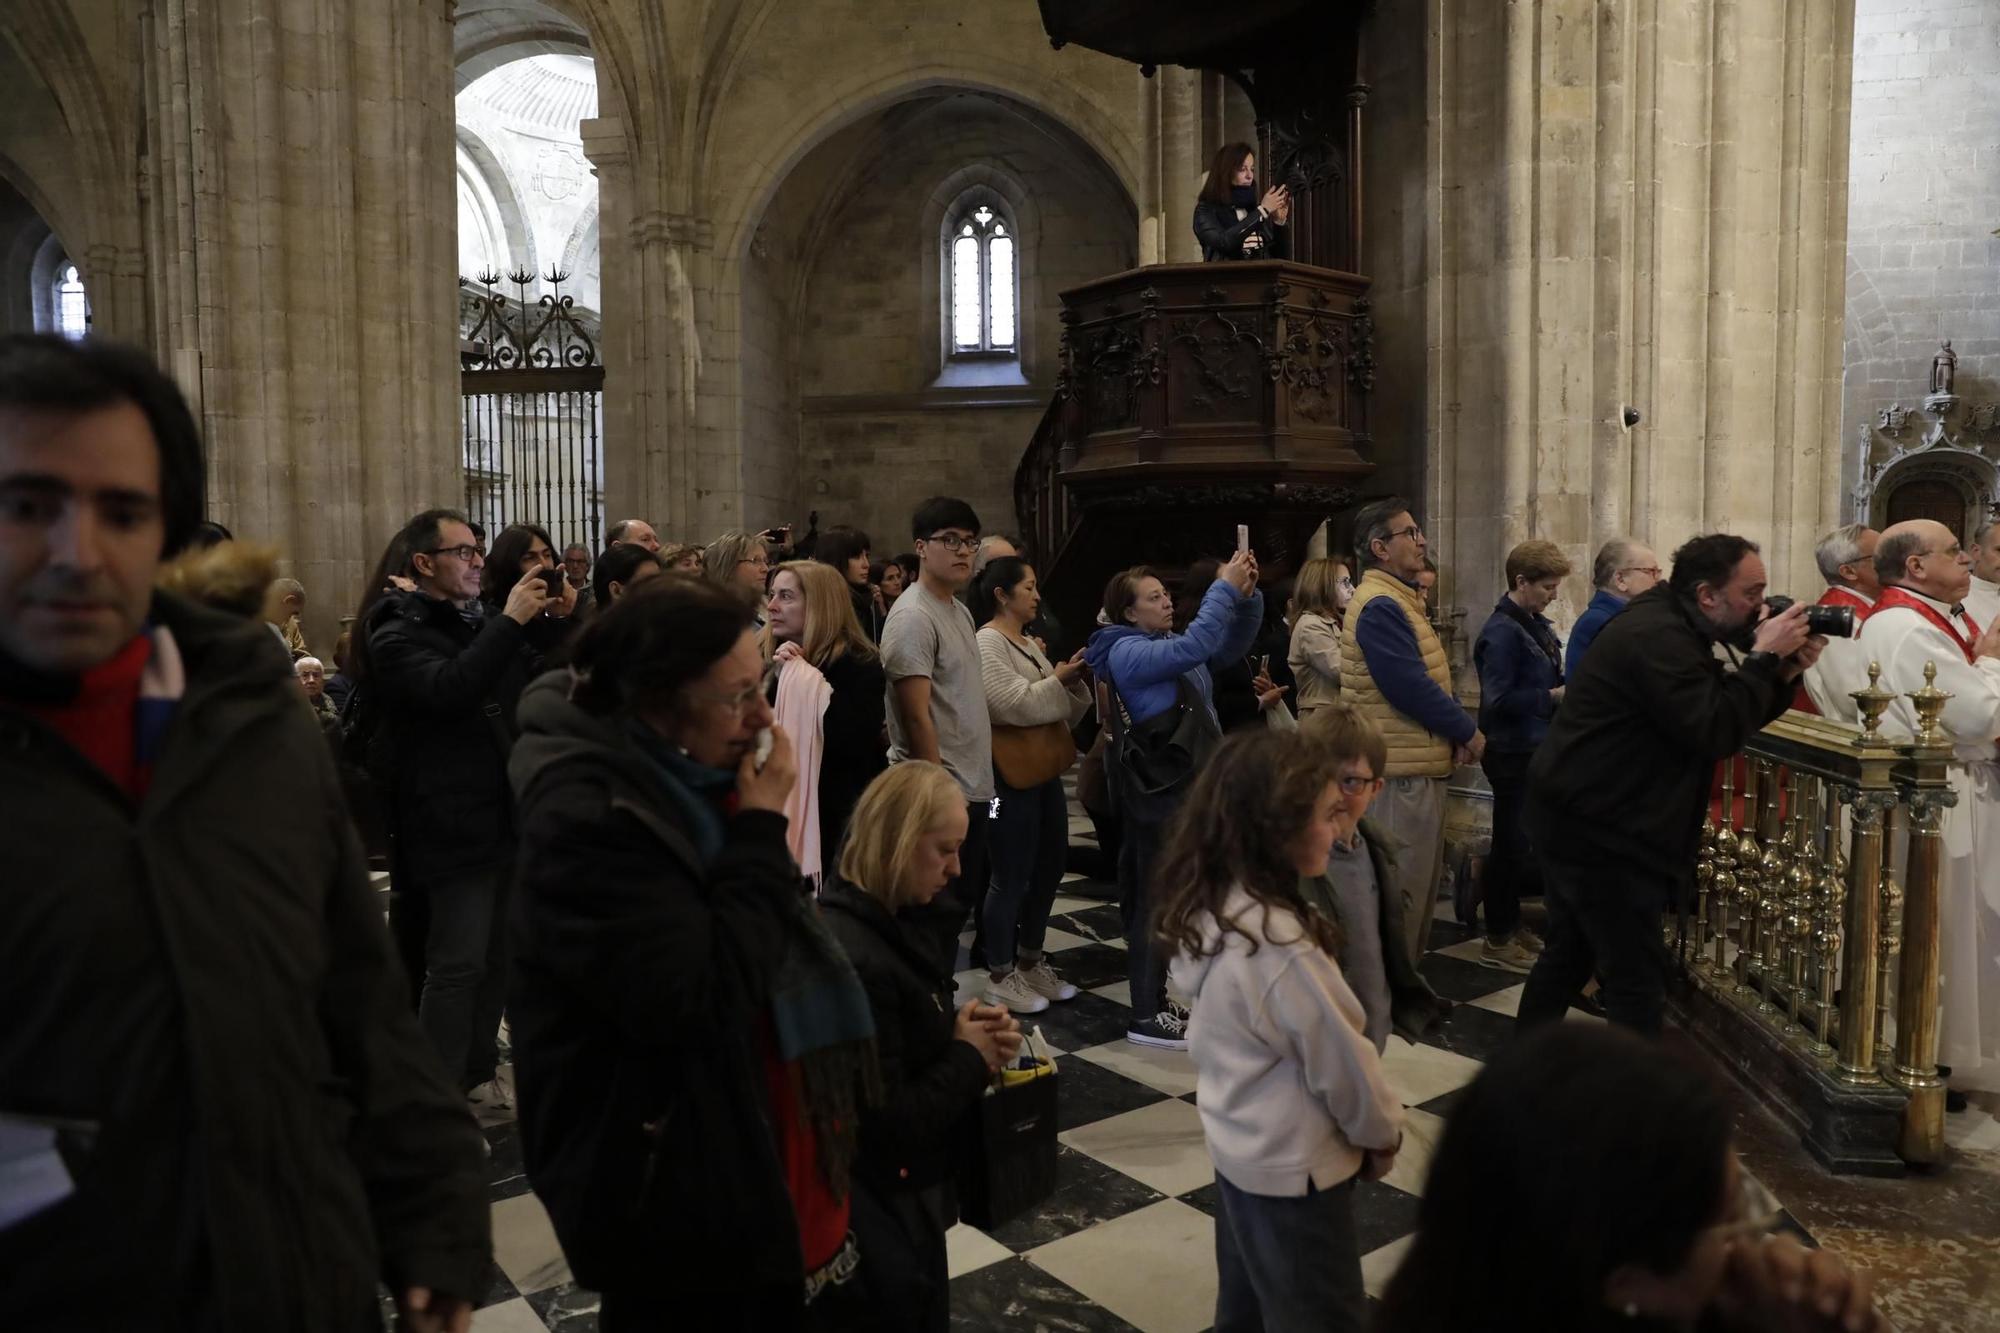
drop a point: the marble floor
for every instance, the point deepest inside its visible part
(1126, 1242)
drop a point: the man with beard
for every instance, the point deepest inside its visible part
(1616, 792)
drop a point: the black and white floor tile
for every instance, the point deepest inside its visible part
(1127, 1240)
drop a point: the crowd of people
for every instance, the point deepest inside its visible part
(707, 822)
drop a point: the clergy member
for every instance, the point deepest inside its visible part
(1919, 618)
(1983, 602)
(1846, 559)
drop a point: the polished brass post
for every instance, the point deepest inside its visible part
(1748, 867)
(1917, 987)
(1930, 797)
(1873, 703)
(1771, 883)
(1858, 1019)
(1796, 926)
(1722, 885)
(1704, 877)
(1890, 947)
(1828, 901)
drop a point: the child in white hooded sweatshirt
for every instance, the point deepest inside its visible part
(1293, 1100)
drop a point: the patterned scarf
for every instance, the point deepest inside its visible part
(116, 713)
(824, 1029)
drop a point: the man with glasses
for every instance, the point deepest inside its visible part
(1393, 668)
(937, 703)
(216, 1108)
(446, 683)
(576, 569)
(1623, 569)
(1846, 559)
(1617, 790)
(1921, 619)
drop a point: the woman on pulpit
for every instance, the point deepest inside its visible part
(1232, 221)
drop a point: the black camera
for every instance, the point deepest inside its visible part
(1832, 622)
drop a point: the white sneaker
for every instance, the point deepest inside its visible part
(1015, 993)
(1042, 980)
(492, 1095)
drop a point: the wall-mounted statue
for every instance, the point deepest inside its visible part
(1944, 368)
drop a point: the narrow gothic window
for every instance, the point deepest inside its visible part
(984, 287)
(72, 311)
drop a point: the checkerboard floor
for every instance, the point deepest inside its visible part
(1127, 1240)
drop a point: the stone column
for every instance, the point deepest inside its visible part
(1634, 205)
(300, 239)
(1173, 113)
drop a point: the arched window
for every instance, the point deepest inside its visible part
(72, 309)
(985, 284)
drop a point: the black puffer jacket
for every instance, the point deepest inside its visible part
(444, 695)
(855, 751)
(1221, 233)
(1624, 774)
(929, 1079)
(206, 977)
(641, 981)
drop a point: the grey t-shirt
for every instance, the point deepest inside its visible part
(927, 637)
(1358, 903)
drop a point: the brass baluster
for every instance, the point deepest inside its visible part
(1749, 867)
(1890, 912)
(1917, 987)
(1869, 919)
(1723, 874)
(1704, 875)
(1794, 930)
(1771, 881)
(1830, 901)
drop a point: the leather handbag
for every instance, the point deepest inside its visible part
(1027, 757)
(1152, 762)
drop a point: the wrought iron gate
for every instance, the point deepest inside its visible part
(532, 390)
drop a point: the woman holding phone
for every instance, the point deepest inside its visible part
(1232, 221)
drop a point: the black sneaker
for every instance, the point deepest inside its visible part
(1165, 1031)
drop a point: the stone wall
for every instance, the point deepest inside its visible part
(1923, 263)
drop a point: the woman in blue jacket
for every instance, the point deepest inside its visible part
(1520, 683)
(1144, 671)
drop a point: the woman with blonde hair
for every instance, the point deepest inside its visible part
(1294, 1102)
(740, 560)
(935, 1062)
(1321, 594)
(680, 558)
(830, 694)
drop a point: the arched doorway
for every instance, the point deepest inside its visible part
(532, 379)
(42, 289)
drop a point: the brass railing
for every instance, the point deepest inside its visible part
(1816, 906)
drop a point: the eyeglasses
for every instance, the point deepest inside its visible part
(465, 553)
(952, 542)
(1413, 532)
(1354, 786)
(738, 703)
(1652, 571)
(1954, 551)
(762, 561)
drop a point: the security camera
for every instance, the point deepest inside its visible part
(1630, 416)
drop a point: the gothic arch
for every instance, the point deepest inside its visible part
(487, 34)
(1970, 474)
(50, 44)
(837, 105)
(507, 211)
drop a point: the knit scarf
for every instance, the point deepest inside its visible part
(116, 713)
(820, 1019)
(1244, 197)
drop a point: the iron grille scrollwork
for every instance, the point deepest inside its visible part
(509, 333)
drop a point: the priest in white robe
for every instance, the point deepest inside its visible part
(1983, 602)
(1920, 618)
(1846, 559)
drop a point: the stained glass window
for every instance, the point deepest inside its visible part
(984, 284)
(72, 310)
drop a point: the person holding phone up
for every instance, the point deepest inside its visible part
(1231, 220)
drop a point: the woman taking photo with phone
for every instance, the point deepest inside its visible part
(1232, 220)
(935, 1061)
(1154, 692)
(1032, 705)
(1294, 1104)
(831, 695)
(519, 548)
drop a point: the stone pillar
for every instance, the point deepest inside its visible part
(300, 237)
(1632, 206)
(1173, 113)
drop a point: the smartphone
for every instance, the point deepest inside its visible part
(1242, 538)
(554, 579)
(1264, 665)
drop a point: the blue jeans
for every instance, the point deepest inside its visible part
(465, 972)
(1287, 1265)
(1028, 846)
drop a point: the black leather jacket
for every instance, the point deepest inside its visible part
(1221, 234)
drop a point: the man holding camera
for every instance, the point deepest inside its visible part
(1617, 791)
(1921, 619)
(447, 680)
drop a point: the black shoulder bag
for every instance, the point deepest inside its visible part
(1153, 761)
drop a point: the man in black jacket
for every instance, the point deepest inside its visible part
(1617, 790)
(216, 1108)
(445, 679)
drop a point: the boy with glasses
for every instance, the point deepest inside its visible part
(937, 703)
(1354, 890)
